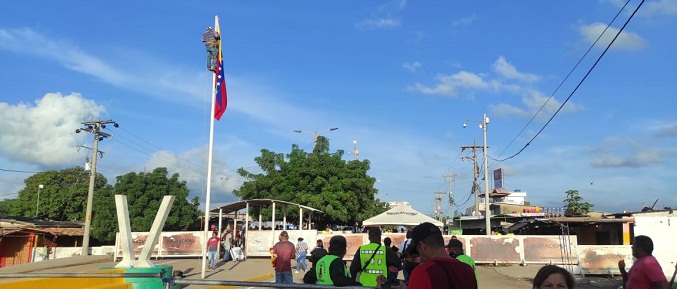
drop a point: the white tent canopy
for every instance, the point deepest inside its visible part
(402, 215)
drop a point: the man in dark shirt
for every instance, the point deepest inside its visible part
(317, 253)
(331, 269)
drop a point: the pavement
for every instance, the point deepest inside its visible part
(252, 269)
(261, 270)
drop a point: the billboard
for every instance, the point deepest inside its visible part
(498, 178)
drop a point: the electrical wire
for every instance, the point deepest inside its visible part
(577, 86)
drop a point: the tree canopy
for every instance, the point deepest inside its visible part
(144, 193)
(341, 189)
(574, 205)
(64, 196)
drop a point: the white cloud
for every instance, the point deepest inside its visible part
(44, 133)
(378, 23)
(412, 66)
(507, 70)
(394, 5)
(668, 7)
(625, 41)
(30, 42)
(142, 74)
(192, 168)
(451, 85)
(531, 103)
(464, 21)
(624, 152)
(383, 17)
(465, 83)
(669, 130)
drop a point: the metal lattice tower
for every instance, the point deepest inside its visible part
(438, 211)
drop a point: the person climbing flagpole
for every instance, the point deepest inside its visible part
(219, 102)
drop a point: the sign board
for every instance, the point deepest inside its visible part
(498, 178)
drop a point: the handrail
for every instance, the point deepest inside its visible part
(81, 275)
(258, 284)
(171, 281)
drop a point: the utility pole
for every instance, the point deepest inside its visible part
(316, 134)
(476, 173)
(487, 207)
(438, 211)
(37, 204)
(95, 128)
(450, 180)
(487, 212)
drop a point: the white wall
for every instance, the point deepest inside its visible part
(662, 230)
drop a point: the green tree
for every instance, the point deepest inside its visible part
(322, 180)
(6, 207)
(63, 196)
(574, 205)
(144, 193)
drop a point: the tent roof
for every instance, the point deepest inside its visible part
(402, 215)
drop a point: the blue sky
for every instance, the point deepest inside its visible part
(398, 77)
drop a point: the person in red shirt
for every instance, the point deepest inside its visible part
(645, 273)
(283, 252)
(212, 246)
(437, 269)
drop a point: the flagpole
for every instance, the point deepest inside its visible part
(205, 235)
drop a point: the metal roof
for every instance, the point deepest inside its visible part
(236, 206)
(35, 222)
(52, 231)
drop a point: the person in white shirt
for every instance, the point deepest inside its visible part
(403, 246)
(227, 243)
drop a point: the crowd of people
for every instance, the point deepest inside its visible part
(425, 260)
(228, 242)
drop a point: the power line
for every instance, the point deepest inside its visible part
(579, 83)
(18, 171)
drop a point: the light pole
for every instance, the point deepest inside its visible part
(315, 134)
(487, 211)
(37, 204)
(355, 151)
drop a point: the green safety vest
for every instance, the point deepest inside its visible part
(376, 267)
(322, 270)
(466, 259)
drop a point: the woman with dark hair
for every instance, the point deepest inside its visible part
(553, 277)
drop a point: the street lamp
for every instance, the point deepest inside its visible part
(315, 134)
(37, 204)
(487, 213)
(355, 151)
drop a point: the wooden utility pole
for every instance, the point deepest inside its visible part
(450, 180)
(93, 127)
(476, 173)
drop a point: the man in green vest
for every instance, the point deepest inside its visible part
(456, 251)
(373, 260)
(331, 269)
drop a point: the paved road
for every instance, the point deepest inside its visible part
(260, 270)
